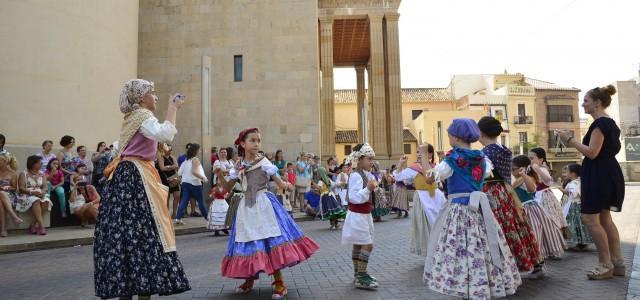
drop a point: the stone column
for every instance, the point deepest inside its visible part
(327, 113)
(394, 93)
(377, 88)
(362, 130)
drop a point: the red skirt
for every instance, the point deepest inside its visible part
(516, 227)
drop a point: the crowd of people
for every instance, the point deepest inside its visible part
(483, 220)
(68, 176)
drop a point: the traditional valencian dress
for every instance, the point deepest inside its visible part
(264, 238)
(331, 208)
(427, 202)
(547, 199)
(579, 233)
(514, 223)
(134, 250)
(547, 232)
(358, 225)
(218, 209)
(468, 255)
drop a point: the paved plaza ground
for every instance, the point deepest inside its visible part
(67, 273)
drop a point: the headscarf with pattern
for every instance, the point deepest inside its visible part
(132, 94)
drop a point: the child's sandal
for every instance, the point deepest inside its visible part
(601, 272)
(279, 291)
(245, 288)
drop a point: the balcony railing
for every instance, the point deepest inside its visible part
(523, 120)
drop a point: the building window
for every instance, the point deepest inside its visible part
(503, 140)
(523, 138)
(553, 141)
(237, 68)
(499, 115)
(521, 110)
(559, 113)
(407, 148)
(347, 149)
(415, 113)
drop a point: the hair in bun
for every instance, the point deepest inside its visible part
(603, 94)
(609, 89)
(490, 126)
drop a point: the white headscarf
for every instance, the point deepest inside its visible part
(132, 94)
(365, 150)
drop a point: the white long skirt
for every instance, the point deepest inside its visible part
(218, 214)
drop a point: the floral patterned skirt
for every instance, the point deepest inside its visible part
(380, 203)
(461, 264)
(516, 228)
(551, 206)
(579, 232)
(128, 256)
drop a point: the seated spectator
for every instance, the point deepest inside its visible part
(8, 187)
(84, 200)
(46, 154)
(82, 158)
(33, 194)
(312, 198)
(55, 180)
(13, 163)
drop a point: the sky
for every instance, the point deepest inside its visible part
(577, 43)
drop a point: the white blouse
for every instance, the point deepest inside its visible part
(357, 194)
(407, 175)
(162, 132)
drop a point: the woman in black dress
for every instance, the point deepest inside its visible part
(168, 166)
(602, 181)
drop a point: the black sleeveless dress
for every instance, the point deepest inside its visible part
(602, 182)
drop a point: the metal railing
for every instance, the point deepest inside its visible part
(523, 120)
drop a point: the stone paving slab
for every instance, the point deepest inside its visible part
(67, 273)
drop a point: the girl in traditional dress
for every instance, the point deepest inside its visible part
(331, 208)
(134, 251)
(468, 255)
(548, 233)
(427, 200)
(579, 235)
(380, 203)
(264, 238)
(400, 197)
(341, 183)
(507, 209)
(544, 182)
(218, 208)
(358, 225)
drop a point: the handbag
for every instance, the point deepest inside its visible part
(302, 181)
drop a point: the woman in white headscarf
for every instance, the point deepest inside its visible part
(134, 249)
